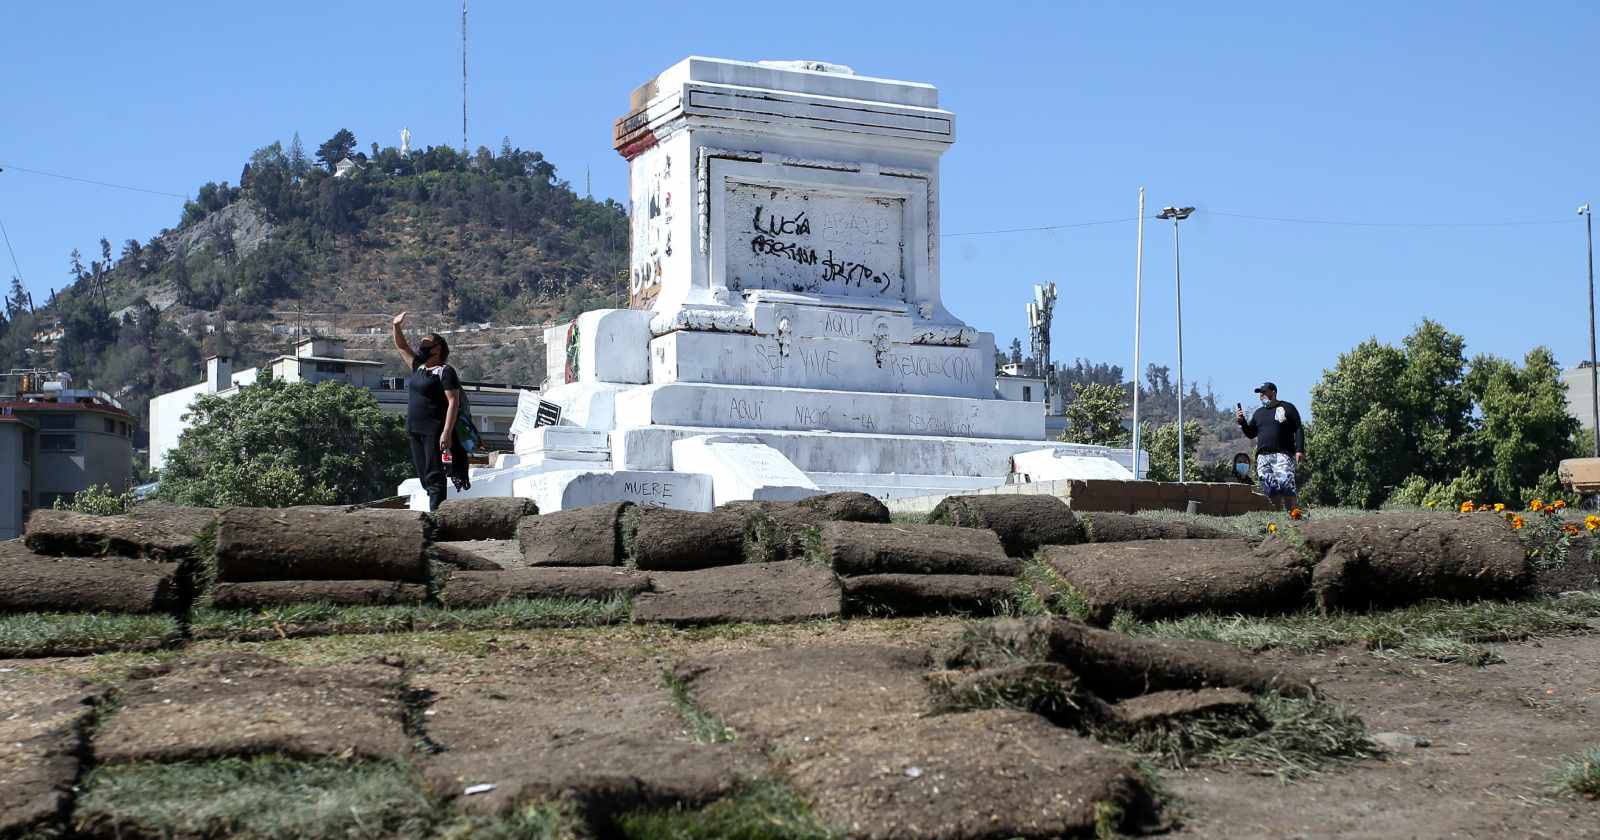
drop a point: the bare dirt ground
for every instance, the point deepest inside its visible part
(1494, 733)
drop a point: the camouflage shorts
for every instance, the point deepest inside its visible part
(1275, 474)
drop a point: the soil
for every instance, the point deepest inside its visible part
(41, 743)
(283, 593)
(1168, 705)
(779, 591)
(481, 589)
(1152, 579)
(1023, 522)
(1577, 574)
(554, 710)
(586, 536)
(670, 540)
(927, 594)
(1495, 733)
(480, 555)
(546, 726)
(488, 518)
(859, 548)
(246, 704)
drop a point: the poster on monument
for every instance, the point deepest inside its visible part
(812, 241)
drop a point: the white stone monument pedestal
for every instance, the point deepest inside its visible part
(785, 332)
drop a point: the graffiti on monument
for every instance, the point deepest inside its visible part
(571, 371)
(814, 241)
(652, 231)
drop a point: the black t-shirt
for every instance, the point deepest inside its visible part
(1276, 429)
(427, 407)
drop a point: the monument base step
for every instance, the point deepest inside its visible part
(650, 448)
(889, 487)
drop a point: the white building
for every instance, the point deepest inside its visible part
(321, 360)
(785, 334)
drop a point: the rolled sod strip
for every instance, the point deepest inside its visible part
(458, 557)
(344, 593)
(926, 594)
(1023, 522)
(1399, 558)
(1151, 579)
(661, 539)
(86, 585)
(859, 548)
(467, 590)
(586, 536)
(177, 518)
(755, 592)
(488, 518)
(299, 544)
(1116, 666)
(66, 533)
(1126, 527)
(777, 530)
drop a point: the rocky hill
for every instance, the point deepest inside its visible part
(490, 240)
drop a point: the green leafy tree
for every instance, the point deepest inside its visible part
(1525, 428)
(338, 147)
(98, 500)
(1095, 415)
(1162, 444)
(1385, 413)
(275, 444)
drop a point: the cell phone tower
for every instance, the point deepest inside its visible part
(1040, 312)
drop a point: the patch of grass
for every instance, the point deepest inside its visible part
(763, 810)
(264, 797)
(1442, 630)
(702, 726)
(72, 634)
(323, 618)
(1287, 737)
(1041, 590)
(903, 518)
(535, 821)
(1253, 524)
(1578, 775)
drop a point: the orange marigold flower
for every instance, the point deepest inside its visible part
(1569, 529)
(1466, 507)
(1432, 505)
(1536, 505)
(1558, 504)
(1499, 506)
(1517, 523)
(1591, 522)
(1272, 527)
(1296, 513)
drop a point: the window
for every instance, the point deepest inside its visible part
(111, 425)
(330, 367)
(1027, 393)
(58, 443)
(48, 500)
(58, 421)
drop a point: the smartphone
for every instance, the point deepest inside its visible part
(445, 457)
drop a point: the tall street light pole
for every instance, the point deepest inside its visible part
(1138, 303)
(1594, 376)
(1178, 214)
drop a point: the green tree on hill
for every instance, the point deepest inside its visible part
(276, 444)
(338, 147)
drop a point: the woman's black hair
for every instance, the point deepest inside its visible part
(444, 346)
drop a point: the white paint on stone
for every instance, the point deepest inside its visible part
(567, 489)
(741, 467)
(822, 363)
(740, 407)
(1056, 465)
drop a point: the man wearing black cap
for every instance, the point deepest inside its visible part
(1280, 444)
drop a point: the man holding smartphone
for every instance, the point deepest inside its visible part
(1280, 445)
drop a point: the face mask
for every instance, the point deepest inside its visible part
(1242, 469)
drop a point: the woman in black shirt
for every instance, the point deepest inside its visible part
(434, 404)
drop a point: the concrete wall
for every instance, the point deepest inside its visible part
(166, 420)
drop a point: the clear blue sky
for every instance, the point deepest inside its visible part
(1357, 112)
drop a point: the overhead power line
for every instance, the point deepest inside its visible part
(1344, 223)
(15, 168)
(1042, 227)
(9, 248)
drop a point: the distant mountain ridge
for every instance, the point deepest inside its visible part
(494, 237)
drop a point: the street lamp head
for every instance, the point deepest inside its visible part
(1583, 210)
(1179, 213)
